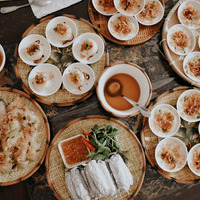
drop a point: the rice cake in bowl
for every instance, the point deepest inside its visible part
(188, 105)
(164, 120)
(123, 27)
(171, 154)
(189, 14)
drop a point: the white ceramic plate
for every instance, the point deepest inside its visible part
(138, 74)
(193, 157)
(52, 85)
(115, 22)
(193, 57)
(152, 13)
(186, 99)
(182, 32)
(76, 48)
(134, 7)
(3, 57)
(27, 41)
(169, 115)
(56, 39)
(88, 78)
(171, 149)
(103, 9)
(192, 8)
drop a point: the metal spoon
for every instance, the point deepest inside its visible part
(114, 88)
(33, 2)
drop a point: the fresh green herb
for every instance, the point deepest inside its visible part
(55, 29)
(185, 98)
(86, 46)
(35, 48)
(24, 117)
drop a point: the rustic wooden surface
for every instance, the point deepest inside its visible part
(146, 55)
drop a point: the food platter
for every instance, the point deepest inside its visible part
(150, 140)
(55, 168)
(100, 23)
(8, 95)
(62, 97)
(176, 61)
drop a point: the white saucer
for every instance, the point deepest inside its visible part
(51, 35)
(87, 83)
(77, 46)
(27, 41)
(53, 84)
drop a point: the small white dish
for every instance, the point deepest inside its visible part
(84, 78)
(116, 27)
(41, 56)
(180, 39)
(63, 151)
(2, 58)
(91, 55)
(164, 121)
(106, 8)
(52, 79)
(171, 154)
(138, 74)
(133, 7)
(189, 14)
(66, 38)
(152, 13)
(194, 159)
(191, 65)
(188, 105)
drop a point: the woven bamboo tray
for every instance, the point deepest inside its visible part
(128, 141)
(174, 60)
(8, 95)
(150, 140)
(100, 23)
(62, 97)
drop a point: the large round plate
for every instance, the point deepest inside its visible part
(8, 95)
(128, 141)
(150, 140)
(61, 58)
(176, 61)
(100, 22)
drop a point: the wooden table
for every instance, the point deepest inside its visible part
(146, 55)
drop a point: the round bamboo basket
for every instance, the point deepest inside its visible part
(100, 23)
(55, 169)
(150, 140)
(8, 95)
(62, 97)
(175, 60)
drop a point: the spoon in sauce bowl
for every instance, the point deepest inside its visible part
(114, 89)
(33, 2)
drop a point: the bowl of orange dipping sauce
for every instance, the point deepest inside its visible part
(73, 151)
(2, 58)
(135, 84)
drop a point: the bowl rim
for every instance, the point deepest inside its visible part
(4, 57)
(147, 78)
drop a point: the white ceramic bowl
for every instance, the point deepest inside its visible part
(87, 84)
(193, 156)
(191, 57)
(173, 149)
(149, 21)
(27, 41)
(2, 58)
(162, 110)
(54, 38)
(130, 20)
(76, 48)
(138, 74)
(54, 82)
(103, 10)
(184, 99)
(194, 6)
(187, 32)
(135, 7)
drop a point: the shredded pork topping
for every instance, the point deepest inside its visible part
(122, 26)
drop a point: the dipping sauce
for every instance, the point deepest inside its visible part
(74, 150)
(1, 58)
(130, 89)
